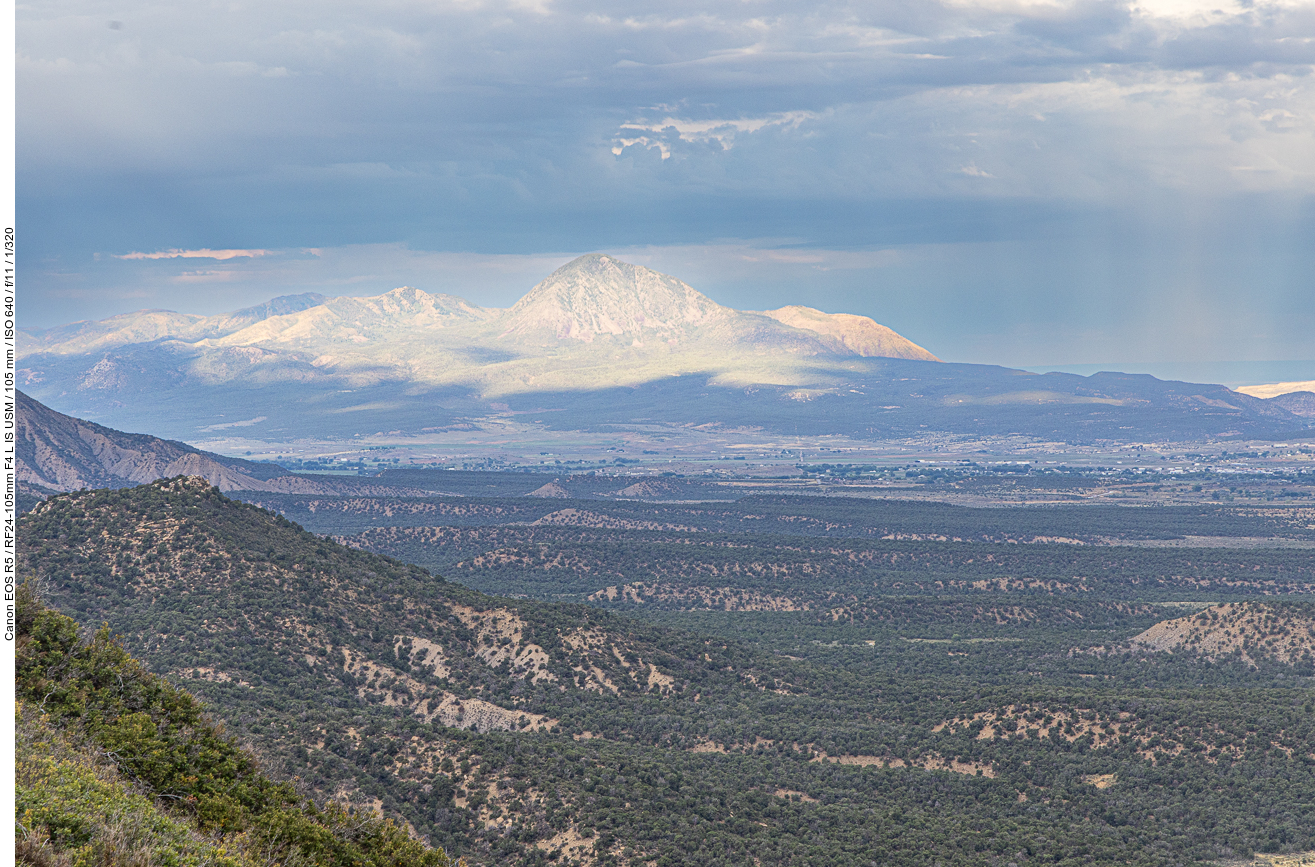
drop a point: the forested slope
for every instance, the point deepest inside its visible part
(960, 729)
(117, 766)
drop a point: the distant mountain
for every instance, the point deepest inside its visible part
(847, 332)
(565, 333)
(1300, 403)
(1278, 389)
(146, 326)
(400, 316)
(57, 452)
(598, 296)
(598, 341)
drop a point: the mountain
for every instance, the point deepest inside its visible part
(847, 332)
(150, 325)
(1278, 389)
(1297, 398)
(62, 453)
(597, 336)
(400, 315)
(57, 452)
(596, 296)
(410, 335)
(566, 332)
(1300, 403)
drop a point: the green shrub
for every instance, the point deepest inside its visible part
(154, 781)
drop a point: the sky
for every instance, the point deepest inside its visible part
(1023, 182)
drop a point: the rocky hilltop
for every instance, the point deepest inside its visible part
(1282, 631)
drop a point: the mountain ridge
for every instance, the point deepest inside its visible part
(57, 452)
(144, 326)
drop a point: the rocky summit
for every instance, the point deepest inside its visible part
(595, 296)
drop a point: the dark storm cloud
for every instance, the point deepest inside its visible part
(503, 128)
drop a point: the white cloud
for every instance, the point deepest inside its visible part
(721, 131)
(1203, 13)
(973, 171)
(197, 254)
(620, 144)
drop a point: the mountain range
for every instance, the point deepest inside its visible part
(599, 341)
(588, 310)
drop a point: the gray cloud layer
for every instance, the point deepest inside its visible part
(1028, 165)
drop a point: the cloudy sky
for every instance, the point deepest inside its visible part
(1026, 182)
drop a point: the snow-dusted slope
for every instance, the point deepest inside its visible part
(847, 332)
(595, 322)
(597, 295)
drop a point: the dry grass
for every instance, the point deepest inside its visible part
(1296, 859)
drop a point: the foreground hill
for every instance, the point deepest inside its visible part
(516, 732)
(599, 341)
(377, 628)
(261, 617)
(116, 766)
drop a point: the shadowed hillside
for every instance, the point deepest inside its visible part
(57, 452)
